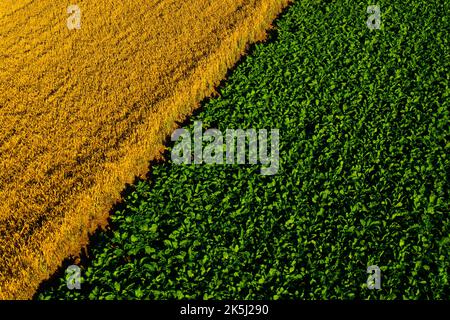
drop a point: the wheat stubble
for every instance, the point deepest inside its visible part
(82, 112)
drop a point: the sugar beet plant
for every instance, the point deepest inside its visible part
(364, 126)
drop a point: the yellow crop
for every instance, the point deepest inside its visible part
(83, 111)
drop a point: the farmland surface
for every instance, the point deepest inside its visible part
(83, 111)
(364, 173)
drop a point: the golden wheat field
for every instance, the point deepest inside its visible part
(83, 111)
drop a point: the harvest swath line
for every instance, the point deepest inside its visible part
(83, 111)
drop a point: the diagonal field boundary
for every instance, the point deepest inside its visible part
(83, 110)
